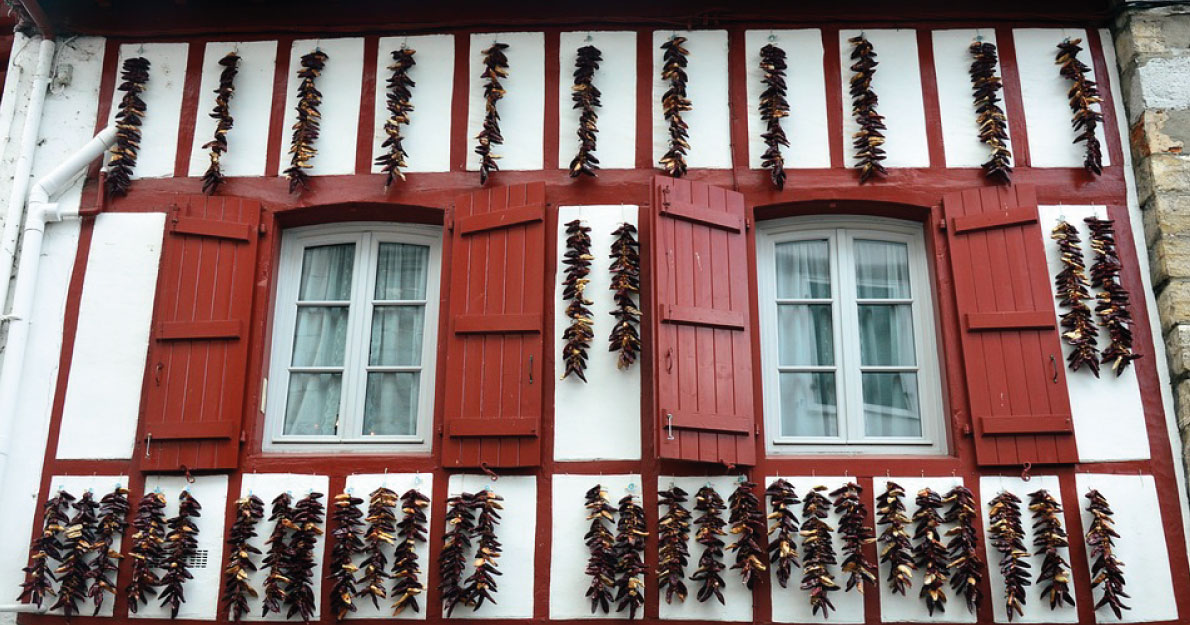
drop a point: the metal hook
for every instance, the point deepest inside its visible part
(189, 478)
(772, 37)
(1025, 477)
(486, 469)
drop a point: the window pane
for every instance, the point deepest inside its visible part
(886, 334)
(391, 404)
(312, 406)
(891, 404)
(401, 271)
(803, 270)
(396, 335)
(320, 337)
(808, 406)
(326, 272)
(881, 270)
(804, 335)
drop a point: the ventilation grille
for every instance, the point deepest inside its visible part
(198, 560)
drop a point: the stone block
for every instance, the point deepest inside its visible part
(1169, 259)
(1162, 173)
(1177, 351)
(1173, 304)
(1166, 215)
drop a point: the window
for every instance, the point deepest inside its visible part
(354, 339)
(848, 337)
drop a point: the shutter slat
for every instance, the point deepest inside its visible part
(691, 315)
(1037, 424)
(501, 219)
(708, 422)
(687, 211)
(179, 330)
(507, 426)
(996, 219)
(1026, 320)
(212, 228)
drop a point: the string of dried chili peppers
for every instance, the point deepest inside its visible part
(783, 554)
(625, 269)
(1073, 288)
(577, 336)
(1108, 569)
(39, 575)
(397, 100)
(819, 551)
(709, 531)
(585, 96)
(965, 562)
(236, 587)
(993, 125)
(113, 521)
(1008, 538)
(406, 570)
(672, 535)
(674, 102)
(748, 523)
(147, 550)
(298, 560)
(1083, 95)
(773, 107)
(868, 140)
(898, 546)
(930, 553)
(853, 527)
(481, 586)
(275, 583)
(452, 560)
(78, 538)
(1115, 304)
(631, 533)
(217, 146)
(382, 528)
(601, 563)
(180, 546)
(495, 64)
(1049, 538)
(346, 542)
(306, 128)
(129, 118)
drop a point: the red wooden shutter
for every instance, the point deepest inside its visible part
(198, 357)
(702, 324)
(1012, 356)
(494, 377)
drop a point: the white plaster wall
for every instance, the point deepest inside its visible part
(616, 81)
(912, 608)
(100, 486)
(111, 343)
(1141, 546)
(202, 592)
(1037, 608)
(568, 560)
(1109, 420)
(267, 486)
(1047, 111)
(251, 107)
(362, 486)
(806, 126)
(710, 117)
(340, 84)
(518, 538)
(426, 136)
(591, 423)
(952, 66)
(163, 105)
(522, 110)
(898, 85)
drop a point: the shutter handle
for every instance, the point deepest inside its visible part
(157, 373)
(669, 361)
(530, 368)
(1054, 365)
(669, 426)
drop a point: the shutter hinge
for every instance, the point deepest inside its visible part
(748, 223)
(449, 218)
(758, 429)
(962, 425)
(262, 229)
(942, 224)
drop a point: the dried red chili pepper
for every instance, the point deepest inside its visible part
(869, 138)
(406, 570)
(818, 551)
(631, 534)
(236, 587)
(129, 119)
(397, 99)
(674, 102)
(853, 527)
(39, 575)
(625, 269)
(1107, 569)
(180, 546)
(307, 126)
(1008, 538)
(747, 521)
(578, 335)
(601, 563)
(1049, 537)
(585, 96)
(147, 550)
(1115, 303)
(276, 583)
(298, 560)
(78, 538)
(710, 526)
(217, 146)
(481, 587)
(495, 67)
(967, 566)
(346, 543)
(930, 553)
(898, 546)
(672, 535)
(773, 107)
(382, 529)
(783, 553)
(113, 521)
(452, 560)
(993, 125)
(1073, 289)
(1083, 95)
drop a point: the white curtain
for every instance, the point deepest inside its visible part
(390, 406)
(805, 337)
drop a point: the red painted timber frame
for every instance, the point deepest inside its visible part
(425, 198)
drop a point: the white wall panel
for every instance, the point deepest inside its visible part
(250, 107)
(616, 81)
(111, 343)
(163, 105)
(709, 120)
(898, 85)
(100, 486)
(522, 110)
(591, 423)
(952, 66)
(426, 136)
(518, 538)
(340, 84)
(806, 126)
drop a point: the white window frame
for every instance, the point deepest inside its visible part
(841, 231)
(367, 237)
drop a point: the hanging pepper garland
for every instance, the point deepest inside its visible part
(481, 586)
(217, 146)
(1008, 538)
(869, 138)
(819, 552)
(406, 570)
(1072, 289)
(993, 125)
(1115, 304)
(306, 128)
(39, 575)
(930, 553)
(1083, 96)
(783, 555)
(129, 119)
(625, 269)
(853, 527)
(274, 560)
(965, 563)
(585, 96)
(495, 63)
(773, 107)
(1049, 537)
(672, 535)
(673, 103)
(709, 534)
(578, 335)
(236, 587)
(397, 100)
(1108, 570)
(898, 546)
(104, 568)
(147, 550)
(78, 538)
(180, 546)
(346, 542)
(601, 563)
(747, 522)
(298, 560)
(452, 560)
(631, 534)
(382, 528)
